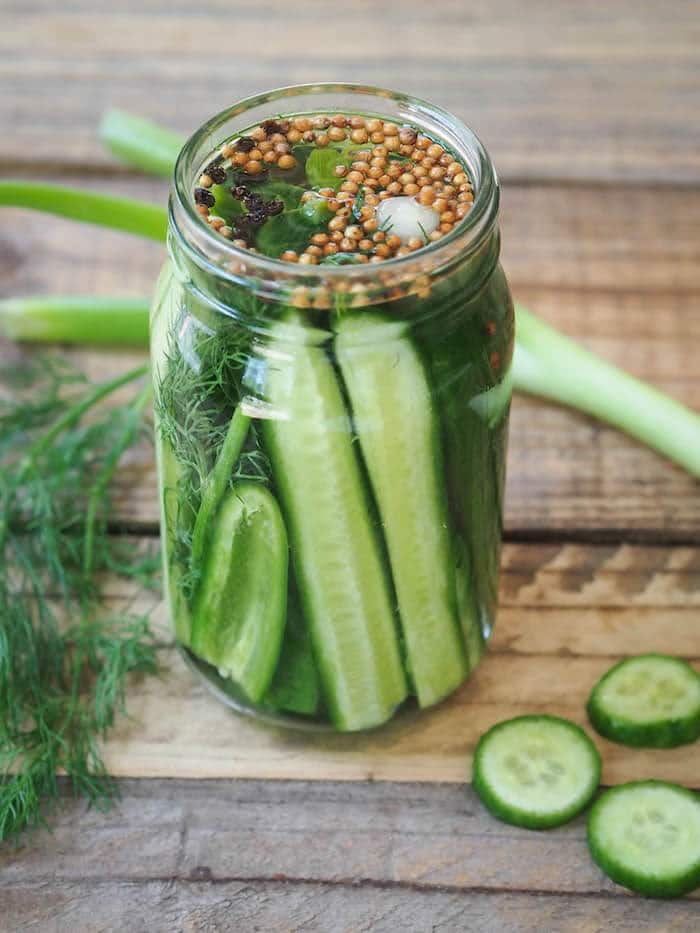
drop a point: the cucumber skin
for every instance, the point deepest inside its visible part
(306, 379)
(513, 815)
(620, 874)
(376, 371)
(458, 353)
(669, 733)
(295, 686)
(255, 557)
(172, 521)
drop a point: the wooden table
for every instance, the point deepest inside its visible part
(591, 114)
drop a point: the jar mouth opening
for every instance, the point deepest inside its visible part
(269, 276)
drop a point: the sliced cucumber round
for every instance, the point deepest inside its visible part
(646, 836)
(651, 700)
(536, 771)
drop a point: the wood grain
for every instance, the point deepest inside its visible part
(281, 907)
(424, 836)
(566, 92)
(567, 613)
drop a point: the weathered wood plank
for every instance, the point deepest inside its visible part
(278, 907)
(425, 836)
(567, 613)
(565, 93)
(176, 729)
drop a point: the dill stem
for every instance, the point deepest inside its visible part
(218, 480)
(104, 476)
(126, 214)
(67, 419)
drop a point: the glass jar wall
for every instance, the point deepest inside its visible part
(331, 449)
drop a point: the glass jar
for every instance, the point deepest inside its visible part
(331, 447)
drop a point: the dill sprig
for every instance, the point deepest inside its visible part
(63, 664)
(199, 417)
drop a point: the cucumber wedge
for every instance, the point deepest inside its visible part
(295, 687)
(646, 836)
(400, 441)
(536, 771)
(472, 633)
(240, 605)
(343, 584)
(652, 700)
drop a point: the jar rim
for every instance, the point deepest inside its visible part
(268, 275)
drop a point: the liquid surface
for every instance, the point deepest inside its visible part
(333, 188)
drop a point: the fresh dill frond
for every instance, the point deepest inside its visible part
(63, 664)
(197, 404)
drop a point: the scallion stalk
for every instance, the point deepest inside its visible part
(139, 217)
(76, 319)
(552, 366)
(140, 143)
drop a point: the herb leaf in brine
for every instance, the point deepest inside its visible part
(293, 229)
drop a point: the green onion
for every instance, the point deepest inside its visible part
(140, 143)
(147, 220)
(552, 366)
(76, 319)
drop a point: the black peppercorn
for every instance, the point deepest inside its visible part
(245, 144)
(202, 196)
(274, 207)
(271, 126)
(216, 172)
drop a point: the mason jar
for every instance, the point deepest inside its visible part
(331, 444)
